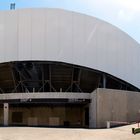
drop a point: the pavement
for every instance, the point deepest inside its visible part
(42, 133)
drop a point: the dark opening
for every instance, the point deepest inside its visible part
(17, 117)
(41, 76)
(87, 116)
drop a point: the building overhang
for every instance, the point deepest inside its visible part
(45, 98)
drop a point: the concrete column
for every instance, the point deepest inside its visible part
(5, 113)
(93, 111)
(108, 124)
(104, 81)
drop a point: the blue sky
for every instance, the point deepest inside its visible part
(124, 14)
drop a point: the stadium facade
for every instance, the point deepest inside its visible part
(65, 69)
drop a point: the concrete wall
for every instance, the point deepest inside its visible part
(45, 95)
(117, 105)
(93, 110)
(106, 105)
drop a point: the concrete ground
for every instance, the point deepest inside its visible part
(36, 133)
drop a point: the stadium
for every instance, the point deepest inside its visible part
(60, 68)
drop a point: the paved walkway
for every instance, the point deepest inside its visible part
(35, 133)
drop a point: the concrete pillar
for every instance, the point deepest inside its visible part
(108, 124)
(6, 113)
(104, 81)
(93, 110)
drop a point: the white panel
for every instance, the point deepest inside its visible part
(79, 46)
(133, 67)
(91, 26)
(120, 51)
(137, 66)
(24, 34)
(110, 46)
(51, 35)
(65, 36)
(11, 36)
(2, 34)
(101, 51)
(129, 65)
(38, 32)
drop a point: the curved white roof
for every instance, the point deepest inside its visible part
(59, 35)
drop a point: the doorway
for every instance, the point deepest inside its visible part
(86, 116)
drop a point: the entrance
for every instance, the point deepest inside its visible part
(86, 116)
(48, 115)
